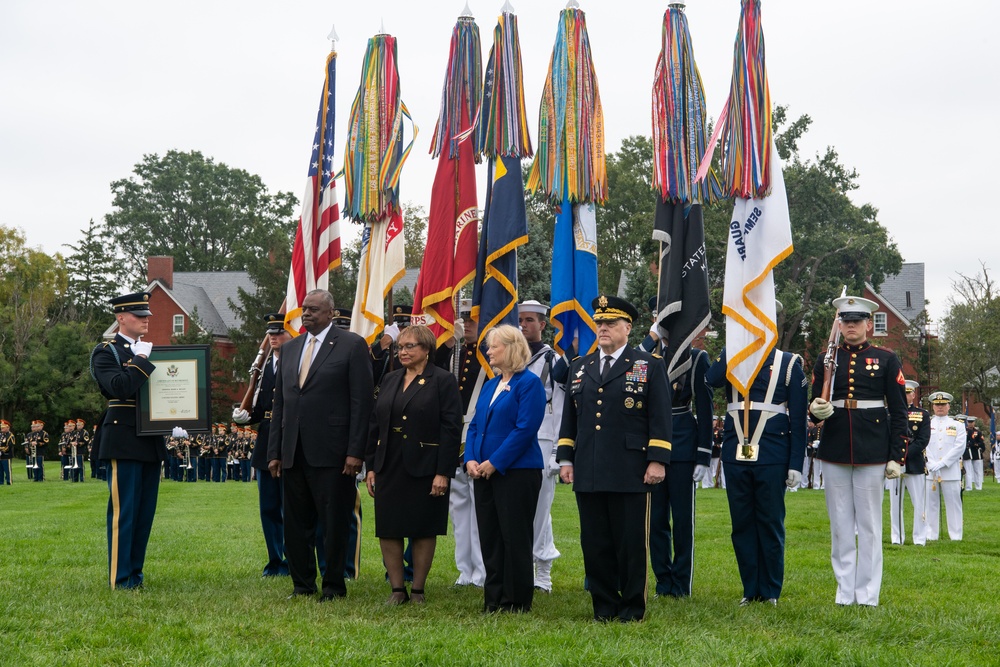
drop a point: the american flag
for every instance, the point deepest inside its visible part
(317, 240)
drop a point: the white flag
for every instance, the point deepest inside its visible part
(382, 263)
(760, 236)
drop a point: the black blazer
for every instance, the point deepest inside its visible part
(431, 423)
(329, 414)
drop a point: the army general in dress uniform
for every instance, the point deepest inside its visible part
(614, 445)
(121, 367)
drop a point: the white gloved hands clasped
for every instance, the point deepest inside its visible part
(821, 409)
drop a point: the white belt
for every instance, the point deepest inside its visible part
(852, 404)
(763, 407)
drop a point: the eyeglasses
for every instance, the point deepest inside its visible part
(409, 346)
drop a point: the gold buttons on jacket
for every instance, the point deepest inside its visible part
(597, 428)
(404, 418)
(598, 415)
(600, 402)
(600, 390)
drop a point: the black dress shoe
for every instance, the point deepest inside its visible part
(772, 601)
(745, 602)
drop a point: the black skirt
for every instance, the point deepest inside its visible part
(404, 506)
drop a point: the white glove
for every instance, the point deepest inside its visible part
(821, 409)
(141, 347)
(934, 467)
(654, 331)
(392, 331)
(241, 416)
(178, 432)
(700, 473)
(794, 479)
(460, 330)
(892, 470)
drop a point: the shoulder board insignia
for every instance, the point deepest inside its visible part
(656, 356)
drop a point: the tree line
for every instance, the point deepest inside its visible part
(212, 217)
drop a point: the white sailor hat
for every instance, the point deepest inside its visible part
(941, 397)
(854, 308)
(532, 306)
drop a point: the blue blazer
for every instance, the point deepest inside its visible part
(506, 433)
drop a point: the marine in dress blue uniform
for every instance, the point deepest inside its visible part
(614, 445)
(120, 368)
(760, 464)
(864, 436)
(671, 547)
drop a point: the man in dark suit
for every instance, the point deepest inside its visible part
(323, 397)
(614, 445)
(120, 368)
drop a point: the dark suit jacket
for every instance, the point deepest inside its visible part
(431, 423)
(327, 415)
(119, 375)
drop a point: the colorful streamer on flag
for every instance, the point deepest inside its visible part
(504, 136)
(570, 158)
(317, 240)
(570, 168)
(682, 304)
(679, 114)
(374, 157)
(746, 118)
(449, 260)
(375, 153)
(760, 234)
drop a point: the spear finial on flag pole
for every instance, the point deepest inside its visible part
(570, 168)
(466, 13)
(507, 8)
(333, 37)
(572, 4)
(372, 163)
(449, 261)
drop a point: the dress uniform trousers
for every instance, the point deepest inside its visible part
(134, 487)
(468, 553)
(913, 486)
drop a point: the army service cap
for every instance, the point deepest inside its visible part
(275, 323)
(137, 304)
(611, 308)
(940, 397)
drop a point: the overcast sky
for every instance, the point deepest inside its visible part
(907, 93)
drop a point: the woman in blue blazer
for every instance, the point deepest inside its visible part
(503, 458)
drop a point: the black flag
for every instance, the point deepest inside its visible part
(682, 294)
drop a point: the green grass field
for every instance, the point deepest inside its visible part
(204, 602)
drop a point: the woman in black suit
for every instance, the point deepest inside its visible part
(413, 445)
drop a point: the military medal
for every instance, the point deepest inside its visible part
(629, 402)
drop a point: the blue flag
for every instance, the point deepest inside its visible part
(574, 277)
(505, 227)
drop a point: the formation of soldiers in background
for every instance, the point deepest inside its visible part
(212, 457)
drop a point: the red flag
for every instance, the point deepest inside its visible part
(450, 258)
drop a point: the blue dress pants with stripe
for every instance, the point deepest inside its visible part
(133, 487)
(756, 495)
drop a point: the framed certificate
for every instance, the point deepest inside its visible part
(178, 393)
